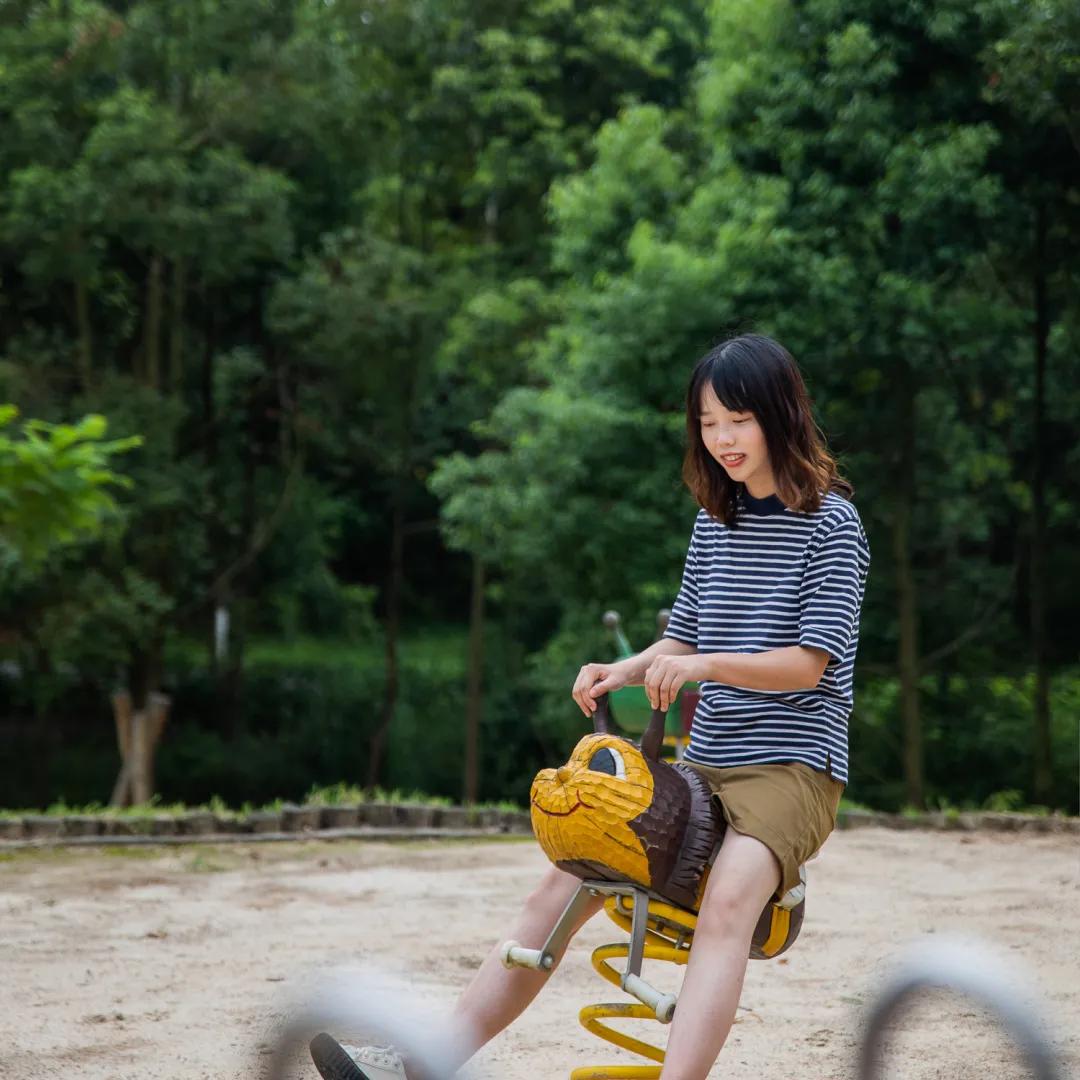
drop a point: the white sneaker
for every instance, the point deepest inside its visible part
(339, 1061)
(378, 1062)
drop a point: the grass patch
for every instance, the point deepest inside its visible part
(45, 852)
(340, 794)
(200, 863)
(343, 794)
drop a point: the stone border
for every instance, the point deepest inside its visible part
(363, 832)
(961, 821)
(408, 820)
(290, 822)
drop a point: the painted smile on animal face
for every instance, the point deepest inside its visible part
(563, 813)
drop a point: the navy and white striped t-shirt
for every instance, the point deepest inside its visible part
(777, 578)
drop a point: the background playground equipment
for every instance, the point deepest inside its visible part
(355, 1003)
(630, 706)
(640, 832)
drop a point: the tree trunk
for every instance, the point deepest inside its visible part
(907, 600)
(176, 326)
(145, 723)
(1043, 776)
(152, 327)
(235, 596)
(377, 744)
(138, 732)
(474, 691)
(142, 784)
(86, 335)
(206, 380)
(230, 672)
(121, 701)
(209, 447)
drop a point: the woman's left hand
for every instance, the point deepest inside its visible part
(666, 675)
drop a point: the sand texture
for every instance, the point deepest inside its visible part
(182, 964)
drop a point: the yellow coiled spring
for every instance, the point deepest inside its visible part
(670, 932)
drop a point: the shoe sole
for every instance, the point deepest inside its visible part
(332, 1061)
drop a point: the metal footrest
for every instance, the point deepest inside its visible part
(630, 980)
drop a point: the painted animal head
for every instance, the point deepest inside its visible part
(617, 812)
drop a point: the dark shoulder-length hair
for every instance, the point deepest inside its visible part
(754, 373)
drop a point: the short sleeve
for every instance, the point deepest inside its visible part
(683, 624)
(831, 592)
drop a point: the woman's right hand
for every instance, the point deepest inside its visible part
(594, 680)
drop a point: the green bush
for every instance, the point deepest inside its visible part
(977, 734)
(302, 717)
(297, 725)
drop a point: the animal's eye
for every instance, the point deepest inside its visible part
(608, 760)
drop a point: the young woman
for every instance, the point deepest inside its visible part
(767, 621)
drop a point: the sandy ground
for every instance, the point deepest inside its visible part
(181, 963)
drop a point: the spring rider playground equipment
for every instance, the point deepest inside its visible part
(969, 969)
(629, 706)
(641, 832)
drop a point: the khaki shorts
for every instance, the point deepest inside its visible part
(791, 808)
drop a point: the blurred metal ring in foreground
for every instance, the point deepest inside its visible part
(967, 969)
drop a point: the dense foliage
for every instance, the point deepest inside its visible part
(401, 299)
(55, 484)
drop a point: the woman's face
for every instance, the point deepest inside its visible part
(736, 441)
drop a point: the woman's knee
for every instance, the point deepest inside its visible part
(547, 901)
(554, 889)
(743, 879)
(727, 908)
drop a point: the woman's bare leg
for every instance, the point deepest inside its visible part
(497, 995)
(744, 876)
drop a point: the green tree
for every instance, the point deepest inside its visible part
(308, 249)
(55, 483)
(832, 180)
(1033, 73)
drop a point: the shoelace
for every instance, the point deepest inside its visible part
(385, 1056)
